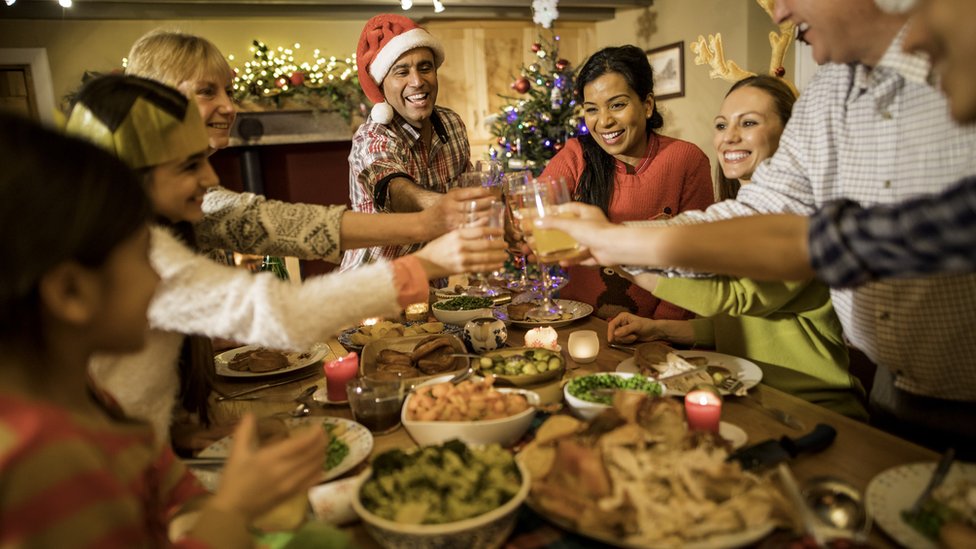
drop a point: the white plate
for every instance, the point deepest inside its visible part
(577, 309)
(895, 490)
(748, 372)
(446, 293)
(296, 361)
(357, 438)
(733, 434)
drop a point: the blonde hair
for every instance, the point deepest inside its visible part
(173, 57)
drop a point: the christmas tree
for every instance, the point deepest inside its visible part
(535, 125)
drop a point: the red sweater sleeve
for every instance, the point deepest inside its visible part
(567, 163)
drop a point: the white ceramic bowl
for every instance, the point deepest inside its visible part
(459, 317)
(486, 531)
(505, 431)
(586, 410)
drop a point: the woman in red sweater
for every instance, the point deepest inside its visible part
(628, 170)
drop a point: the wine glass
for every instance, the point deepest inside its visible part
(545, 197)
(493, 217)
(515, 183)
(483, 179)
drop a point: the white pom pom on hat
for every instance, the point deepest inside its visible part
(384, 39)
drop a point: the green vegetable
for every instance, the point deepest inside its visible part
(464, 303)
(530, 362)
(439, 484)
(583, 387)
(337, 450)
(930, 518)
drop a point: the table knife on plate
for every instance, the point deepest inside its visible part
(232, 396)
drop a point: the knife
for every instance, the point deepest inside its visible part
(232, 396)
(771, 452)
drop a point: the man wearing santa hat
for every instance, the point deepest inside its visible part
(408, 154)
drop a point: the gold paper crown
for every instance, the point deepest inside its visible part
(710, 51)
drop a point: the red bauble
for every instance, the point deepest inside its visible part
(501, 140)
(536, 47)
(297, 78)
(780, 71)
(281, 82)
(561, 64)
(521, 85)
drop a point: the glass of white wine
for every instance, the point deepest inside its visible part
(546, 197)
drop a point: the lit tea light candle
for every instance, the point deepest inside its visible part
(584, 345)
(416, 311)
(542, 338)
(337, 373)
(703, 409)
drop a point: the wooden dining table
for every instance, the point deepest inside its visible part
(858, 453)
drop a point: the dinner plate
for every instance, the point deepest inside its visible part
(896, 489)
(747, 371)
(356, 436)
(576, 310)
(718, 541)
(350, 346)
(296, 361)
(447, 293)
(733, 434)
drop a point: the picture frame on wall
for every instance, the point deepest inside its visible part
(668, 64)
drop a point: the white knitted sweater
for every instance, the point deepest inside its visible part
(198, 296)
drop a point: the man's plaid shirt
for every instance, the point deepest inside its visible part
(381, 153)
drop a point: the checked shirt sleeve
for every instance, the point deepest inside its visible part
(376, 156)
(850, 245)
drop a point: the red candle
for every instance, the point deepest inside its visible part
(703, 408)
(337, 373)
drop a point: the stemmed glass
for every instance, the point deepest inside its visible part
(493, 217)
(514, 184)
(545, 197)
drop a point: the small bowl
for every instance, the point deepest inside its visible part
(505, 431)
(460, 317)
(587, 410)
(485, 531)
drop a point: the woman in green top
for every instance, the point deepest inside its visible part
(788, 328)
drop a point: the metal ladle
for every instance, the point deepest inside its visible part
(839, 506)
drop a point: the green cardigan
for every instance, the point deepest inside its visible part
(789, 329)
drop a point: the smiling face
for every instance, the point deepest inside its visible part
(411, 86)
(840, 31)
(177, 187)
(212, 95)
(616, 117)
(747, 131)
(944, 30)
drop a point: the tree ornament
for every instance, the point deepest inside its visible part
(536, 47)
(562, 64)
(533, 68)
(297, 78)
(281, 82)
(556, 98)
(521, 85)
(780, 71)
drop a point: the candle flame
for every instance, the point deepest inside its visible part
(370, 321)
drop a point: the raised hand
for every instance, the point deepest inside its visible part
(449, 212)
(465, 250)
(628, 328)
(589, 226)
(255, 480)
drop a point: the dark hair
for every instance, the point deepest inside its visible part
(89, 202)
(783, 98)
(596, 182)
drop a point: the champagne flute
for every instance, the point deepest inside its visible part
(493, 218)
(515, 183)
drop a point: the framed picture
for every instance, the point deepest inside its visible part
(668, 64)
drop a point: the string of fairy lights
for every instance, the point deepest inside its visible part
(274, 70)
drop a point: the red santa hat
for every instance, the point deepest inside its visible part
(384, 39)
